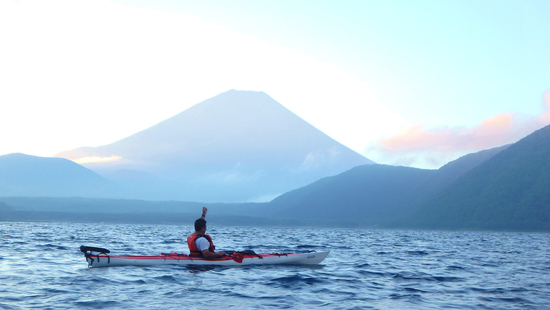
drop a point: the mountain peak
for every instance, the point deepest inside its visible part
(237, 137)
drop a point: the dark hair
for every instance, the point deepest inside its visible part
(199, 224)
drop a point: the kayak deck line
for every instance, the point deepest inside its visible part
(99, 257)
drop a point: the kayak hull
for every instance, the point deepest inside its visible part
(105, 260)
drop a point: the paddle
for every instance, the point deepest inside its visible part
(237, 257)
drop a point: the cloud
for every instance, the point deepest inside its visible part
(231, 176)
(545, 117)
(314, 160)
(491, 132)
(415, 145)
(264, 198)
(96, 159)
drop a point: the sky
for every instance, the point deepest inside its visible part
(414, 83)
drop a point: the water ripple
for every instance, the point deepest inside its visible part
(41, 267)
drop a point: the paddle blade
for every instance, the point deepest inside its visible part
(237, 257)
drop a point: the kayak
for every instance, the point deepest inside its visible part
(99, 257)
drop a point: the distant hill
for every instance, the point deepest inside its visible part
(371, 195)
(508, 191)
(77, 209)
(237, 146)
(25, 175)
(368, 195)
(450, 172)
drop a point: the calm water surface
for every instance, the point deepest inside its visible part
(41, 267)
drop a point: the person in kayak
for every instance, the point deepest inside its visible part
(200, 244)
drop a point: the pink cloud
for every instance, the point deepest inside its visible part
(434, 147)
(545, 117)
(494, 131)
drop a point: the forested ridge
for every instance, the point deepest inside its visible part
(509, 191)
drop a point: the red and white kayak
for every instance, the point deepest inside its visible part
(99, 257)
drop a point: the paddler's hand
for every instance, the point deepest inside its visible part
(204, 210)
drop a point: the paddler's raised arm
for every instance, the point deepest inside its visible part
(204, 210)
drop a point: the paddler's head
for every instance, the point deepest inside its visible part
(200, 226)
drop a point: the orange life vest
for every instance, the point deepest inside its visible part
(194, 251)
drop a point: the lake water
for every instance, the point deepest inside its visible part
(41, 267)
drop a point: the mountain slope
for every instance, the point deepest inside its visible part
(508, 191)
(232, 147)
(367, 195)
(25, 175)
(450, 172)
(372, 195)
